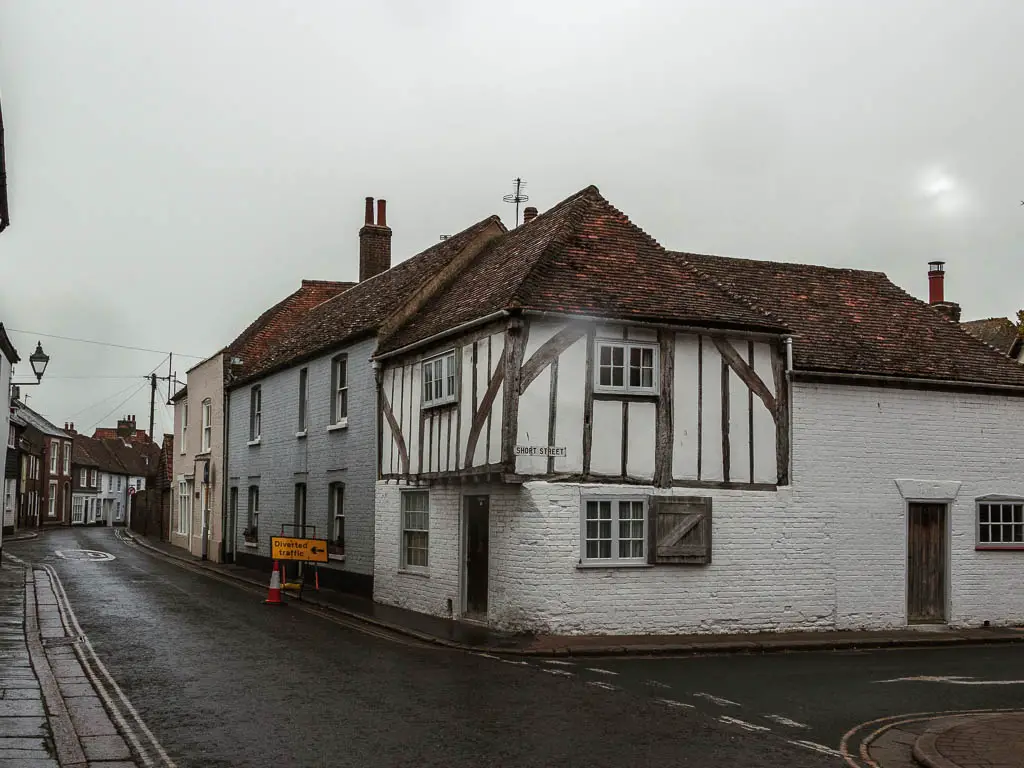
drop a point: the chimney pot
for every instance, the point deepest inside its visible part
(382, 219)
(529, 214)
(369, 212)
(936, 282)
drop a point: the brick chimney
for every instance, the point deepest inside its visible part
(374, 242)
(529, 214)
(126, 427)
(936, 291)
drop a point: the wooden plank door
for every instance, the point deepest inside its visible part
(477, 510)
(927, 565)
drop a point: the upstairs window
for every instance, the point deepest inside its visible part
(439, 379)
(339, 389)
(67, 459)
(11, 439)
(303, 398)
(255, 413)
(184, 423)
(54, 456)
(81, 478)
(207, 425)
(626, 368)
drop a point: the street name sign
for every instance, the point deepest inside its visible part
(289, 548)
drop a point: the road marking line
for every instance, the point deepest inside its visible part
(951, 679)
(786, 721)
(18, 560)
(679, 704)
(514, 661)
(561, 672)
(85, 646)
(601, 671)
(557, 662)
(743, 724)
(717, 700)
(817, 747)
(656, 684)
(488, 656)
(605, 686)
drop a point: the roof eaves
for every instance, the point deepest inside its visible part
(6, 346)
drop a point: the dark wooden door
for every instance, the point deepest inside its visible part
(477, 551)
(927, 570)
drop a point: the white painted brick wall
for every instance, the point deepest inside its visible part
(828, 552)
(346, 455)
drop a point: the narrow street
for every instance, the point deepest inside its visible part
(222, 680)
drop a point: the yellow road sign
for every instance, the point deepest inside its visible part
(288, 548)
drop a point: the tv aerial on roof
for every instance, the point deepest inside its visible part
(518, 196)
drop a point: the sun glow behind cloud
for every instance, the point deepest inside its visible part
(944, 194)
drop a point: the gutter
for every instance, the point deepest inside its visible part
(445, 333)
(908, 381)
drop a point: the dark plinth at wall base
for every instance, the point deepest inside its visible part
(330, 578)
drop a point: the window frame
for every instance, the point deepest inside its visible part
(1016, 514)
(336, 502)
(627, 346)
(252, 515)
(12, 437)
(206, 411)
(184, 424)
(83, 477)
(615, 560)
(184, 526)
(448, 378)
(339, 390)
(66, 467)
(303, 400)
(404, 564)
(54, 456)
(51, 505)
(255, 413)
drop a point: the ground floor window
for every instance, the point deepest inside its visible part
(184, 508)
(252, 528)
(336, 510)
(614, 531)
(78, 508)
(415, 529)
(1001, 524)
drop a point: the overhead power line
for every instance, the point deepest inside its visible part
(102, 343)
(100, 402)
(116, 407)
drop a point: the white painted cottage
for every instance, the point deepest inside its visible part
(586, 433)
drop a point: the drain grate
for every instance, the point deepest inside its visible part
(58, 642)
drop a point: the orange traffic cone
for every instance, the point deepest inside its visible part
(274, 594)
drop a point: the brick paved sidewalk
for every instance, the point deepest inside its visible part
(978, 741)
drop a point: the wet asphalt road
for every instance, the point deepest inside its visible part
(223, 680)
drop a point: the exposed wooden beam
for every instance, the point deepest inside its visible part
(663, 425)
(548, 352)
(403, 452)
(484, 409)
(516, 336)
(588, 400)
(781, 414)
(745, 372)
(725, 420)
(552, 413)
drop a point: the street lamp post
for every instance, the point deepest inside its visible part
(39, 360)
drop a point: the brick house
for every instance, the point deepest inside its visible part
(303, 426)
(53, 470)
(587, 433)
(200, 509)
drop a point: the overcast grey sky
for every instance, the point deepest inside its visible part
(177, 167)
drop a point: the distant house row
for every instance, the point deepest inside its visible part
(56, 476)
(565, 427)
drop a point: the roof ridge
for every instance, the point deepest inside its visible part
(744, 300)
(772, 262)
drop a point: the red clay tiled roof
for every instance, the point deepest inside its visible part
(256, 341)
(582, 257)
(999, 332)
(362, 309)
(110, 433)
(854, 321)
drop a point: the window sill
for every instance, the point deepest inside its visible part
(300, 435)
(605, 566)
(336, 558)
(990, 548)
(438, 404)
(343, 424)
(205, 452)
(251, 544)
(254, 442)
(408, 572)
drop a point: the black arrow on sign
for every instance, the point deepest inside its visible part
(314, 550)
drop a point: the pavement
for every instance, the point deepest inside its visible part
(50, 713)
(474, 637)
(992, 740)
